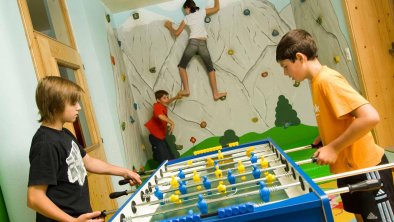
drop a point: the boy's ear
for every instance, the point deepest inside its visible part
(300, 56)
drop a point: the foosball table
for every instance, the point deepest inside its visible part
(251, 182)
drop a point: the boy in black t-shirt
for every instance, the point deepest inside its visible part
(58, 187)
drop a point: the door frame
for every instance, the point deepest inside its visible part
(47, 53)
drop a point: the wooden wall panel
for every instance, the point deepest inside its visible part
(371, 27)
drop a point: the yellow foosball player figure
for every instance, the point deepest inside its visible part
(221, 187)
(241, 170)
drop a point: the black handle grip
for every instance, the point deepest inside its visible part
(366, 185)
(117, 194)
(123, 182)
(102, 215)
(317, 146)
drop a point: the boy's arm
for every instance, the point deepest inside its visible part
(178, 96)
(214, 9)
(97, 166)
(366, 118)
(175, 32)
(39, 201)
(168, 120)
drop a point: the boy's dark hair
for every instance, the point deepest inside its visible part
(192, 5)
(52, 95)
(160, 93)
(294, 41)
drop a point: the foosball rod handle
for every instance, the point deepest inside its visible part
(313, 146)
(105, 213)
(126, 181)
(120, 193)
(366, 185)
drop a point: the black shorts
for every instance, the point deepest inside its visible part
(371, 205)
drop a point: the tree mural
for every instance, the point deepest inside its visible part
(228, 137)
(285, 115)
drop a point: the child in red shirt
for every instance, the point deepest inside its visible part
(157, 127)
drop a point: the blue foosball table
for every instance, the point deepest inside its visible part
(251, 182)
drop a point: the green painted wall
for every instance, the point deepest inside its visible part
(3, 210)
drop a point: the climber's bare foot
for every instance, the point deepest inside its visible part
(184, 93)
(221, 96)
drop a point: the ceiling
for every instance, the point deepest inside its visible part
(116, 6)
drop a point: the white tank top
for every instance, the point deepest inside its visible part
(196, 23)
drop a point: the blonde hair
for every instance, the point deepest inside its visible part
(52, 95)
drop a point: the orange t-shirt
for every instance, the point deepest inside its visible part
(156, 126)
(333, 100)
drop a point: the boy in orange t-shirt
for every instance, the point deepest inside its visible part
(344, 119)
(157, 127)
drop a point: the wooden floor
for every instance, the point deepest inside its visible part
(339, 214)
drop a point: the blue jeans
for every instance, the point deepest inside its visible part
(194, 47)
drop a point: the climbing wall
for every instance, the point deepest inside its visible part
(242, 41)
(134, 152)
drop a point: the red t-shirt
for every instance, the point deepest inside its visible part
(156, 126)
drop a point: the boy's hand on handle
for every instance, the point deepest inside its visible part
(90, 217)
(325, 155)
(133, 177)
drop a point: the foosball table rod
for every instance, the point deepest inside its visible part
(202, 160)
(202, 164)
(150, 187)
(122, 182)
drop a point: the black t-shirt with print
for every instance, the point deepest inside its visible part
(56, 160)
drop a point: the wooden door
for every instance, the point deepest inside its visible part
(371, 27)
(54, 52)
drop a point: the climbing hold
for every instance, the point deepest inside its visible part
(319, 20)
(131, 119)
(296, 84)
(123, 125)
(336, 59)
(152, 70)
(230, 52)
(179, 147)
(255, 119)
(136, 15)
(203, 124)
(123, 77)
(207, 19)
(108, 18)
(135, 105)
(193, 139)
(246, 12)
(275, 32)
(119, 43)
(264, 74)
(112, 60)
